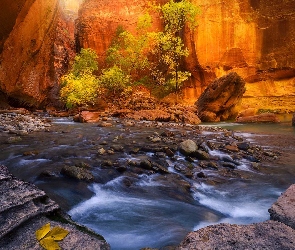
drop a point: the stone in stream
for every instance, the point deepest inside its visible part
(77, 173)
(24, 209)
(188, 147)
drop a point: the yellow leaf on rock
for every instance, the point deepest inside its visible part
(40, 233)
(49, 244)
(48, 238)
(57, 233)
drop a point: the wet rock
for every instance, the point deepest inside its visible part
(26, 209)
(105, 124)
(77, 173)
(265, 117)
(14, 139)
(201, 155)
(228, 165)
(47, 174)
(232, 148)
(269, 235)
(188, 147)
(243, 146)
(283, 210)
(218, 101)
(169, 152)
(87, 116)
(101, 151)
(106, 164)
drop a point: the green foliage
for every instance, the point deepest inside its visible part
(80, 86)
(85, 62)
(170, 47)
(176, 14)
(129, 52)
(114, 81)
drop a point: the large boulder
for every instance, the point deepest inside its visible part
(271, 235)
(283, 210)
(218, 101)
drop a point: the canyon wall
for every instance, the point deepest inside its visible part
(36, 48)
(255, 38)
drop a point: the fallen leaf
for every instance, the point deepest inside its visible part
(40, 233)
(48, 238)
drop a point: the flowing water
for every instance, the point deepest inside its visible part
(150, 212)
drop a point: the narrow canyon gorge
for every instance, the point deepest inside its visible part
(255, 39)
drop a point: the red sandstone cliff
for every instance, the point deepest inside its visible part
(256, 39)
(35, 50)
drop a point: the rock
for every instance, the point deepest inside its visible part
(283, 210)
(77, 173)
(201, 155)
(265, 117)
(218, 101)
(232, 148)
(270, 235)
(201, 175)
(248, 112)
(26, 209)
(11, 140)
(87, 116)
(42, 49)
(293, 120)
(243, 146)
(188, 147)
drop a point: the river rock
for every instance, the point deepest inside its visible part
(265, 117)
(218, 101)
(24, 209)
(188, 147)
(87, 116)
(77, 173)
(270, 235)
(293, 120)
(283, 209)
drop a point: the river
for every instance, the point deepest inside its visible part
(149, 211)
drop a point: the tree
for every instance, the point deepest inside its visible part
(80, 86)
(171, 49)
(130, 52)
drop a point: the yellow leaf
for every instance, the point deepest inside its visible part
(40, 233)
(57, 234)
(49, 244)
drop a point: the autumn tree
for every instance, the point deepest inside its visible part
(80, 86)
(170, 48)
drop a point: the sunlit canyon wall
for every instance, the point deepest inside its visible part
(255, 38)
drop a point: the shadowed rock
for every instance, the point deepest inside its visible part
(269, 235)
(218, 101)
(274, 234)
(24, 209)
(293, 120)
(283, 210)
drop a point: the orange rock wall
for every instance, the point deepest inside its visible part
(30, 61)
